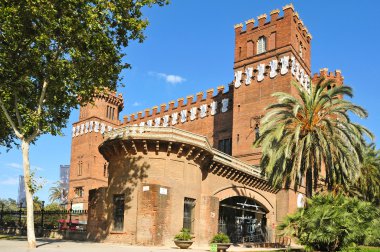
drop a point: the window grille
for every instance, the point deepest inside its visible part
(118, 216)
(188, 214)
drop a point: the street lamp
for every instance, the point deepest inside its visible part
(42, 214)
(71, 209)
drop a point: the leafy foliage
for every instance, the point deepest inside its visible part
(66, 48)
(302, 132)
(367, 183)
(56, 192)
(220, 238)
(54, 56)
(184, 235)
(332, 222)
(9, 204)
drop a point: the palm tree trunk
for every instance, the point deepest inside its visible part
(309, 183)
(28, 195)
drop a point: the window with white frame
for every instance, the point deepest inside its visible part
(261, 45)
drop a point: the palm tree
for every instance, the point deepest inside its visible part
(310, 135)
(368, 181)
(55, 192)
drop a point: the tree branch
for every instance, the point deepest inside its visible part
(18, 134)
(17, 112)
(39, 112)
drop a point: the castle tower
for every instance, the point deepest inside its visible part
(88, 168)
(268, 57)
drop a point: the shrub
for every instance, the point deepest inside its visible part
(220, 238)
(331, 223)
(184, 235)
(372, 234)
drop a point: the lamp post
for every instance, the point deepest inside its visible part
(42, 214)
(19, 216)
(1, 213)
(71, 209)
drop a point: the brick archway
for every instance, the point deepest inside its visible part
(231, 191)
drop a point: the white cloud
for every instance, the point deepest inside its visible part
(19, 166)
(9, 181)
(14, 165)
(136, 104)
(169, 78)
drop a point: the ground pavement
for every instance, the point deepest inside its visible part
(72, 246)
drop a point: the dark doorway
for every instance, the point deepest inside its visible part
(243, 220)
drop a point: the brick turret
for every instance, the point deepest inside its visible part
(88, 168)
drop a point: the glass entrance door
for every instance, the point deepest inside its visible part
(242, 219)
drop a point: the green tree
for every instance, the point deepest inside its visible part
(9, 204)
(51, 219)
(333, 222)
(367, 183)
(55, 192)
(54, 54)
(301, 134)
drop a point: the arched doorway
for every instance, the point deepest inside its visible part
(243, 219)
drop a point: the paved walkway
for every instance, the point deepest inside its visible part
(72, 246)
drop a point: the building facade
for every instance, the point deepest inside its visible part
(192, 163)
(64, 177)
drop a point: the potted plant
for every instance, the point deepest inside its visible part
(221, 241)
(183, 239)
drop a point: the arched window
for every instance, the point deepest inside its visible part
(261, 45)
(301, 50)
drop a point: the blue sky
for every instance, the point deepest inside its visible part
(189, 48)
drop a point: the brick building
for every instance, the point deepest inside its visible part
(192, 164)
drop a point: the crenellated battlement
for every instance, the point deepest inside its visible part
(336, 76)
(170, 108)
(288, 13)
(111, 97)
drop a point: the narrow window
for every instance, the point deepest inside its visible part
(301, 50)
(107, 113)
(188, 214)
(239, 51)
(225, 145)
(261, 45)
(118, 216)
(113, 112)
(257, 131)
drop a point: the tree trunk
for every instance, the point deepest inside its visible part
(28, 195)
(309, 183)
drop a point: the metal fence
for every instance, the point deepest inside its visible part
(46, 219)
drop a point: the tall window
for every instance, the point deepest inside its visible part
(110, 113)
(118, 213)
(257, 131)
(261, 45)
(188, 214)
(301, 50)
(78, 191)
(225, 146)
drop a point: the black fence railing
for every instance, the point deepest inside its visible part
(47, 219)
